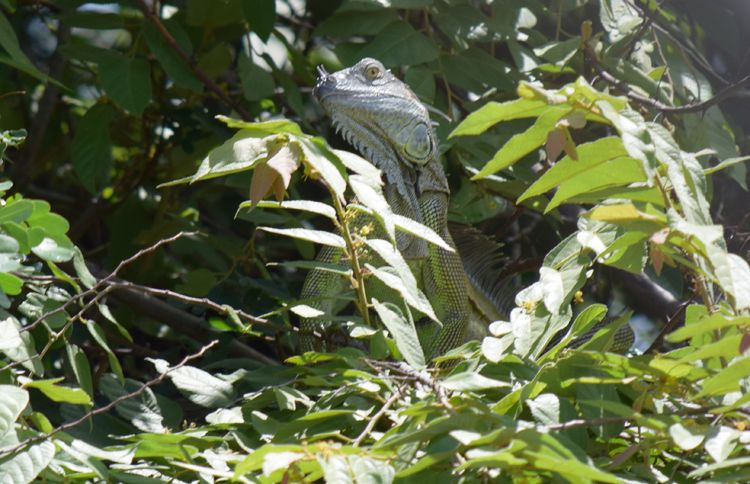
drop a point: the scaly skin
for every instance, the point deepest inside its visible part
(386, 122)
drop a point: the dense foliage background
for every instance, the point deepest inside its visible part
(144, 323)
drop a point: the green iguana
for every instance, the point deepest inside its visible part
(383, 119)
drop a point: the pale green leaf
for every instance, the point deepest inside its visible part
(12, 402)
(199, 386)
(303, 205)
(317, 236)
(25, 466)
(60, 393)
(403, 332)
(142, 411)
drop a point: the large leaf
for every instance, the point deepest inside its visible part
(12, 401)
(403, 332)
(91, 150)
(493, 112)
(524, 143)
(127, 81)
(26, 465)
(199, 386)
(400, 44)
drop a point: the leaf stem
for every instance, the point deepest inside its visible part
(357, 279)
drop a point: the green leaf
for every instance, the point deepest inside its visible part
(617, 172)
(127, 81)
(545, 408)
(10, 284)
(403, 280)
(353, 23)
(399, 44)
(257, 84)
(727, 380)
(720, 442)
(173, 65)
(493, 112)
(261, 15)
(18, 346)
(91, 149)
(25, 466)
(317, 236)
(81, 368)
(59, 393)
(18, 59)
(96, 332)
(403, 332)
(50, 250)
(590, 155)
(241, 152)
(304, 205)
(711, 323)
(524, 143)
(412, 227)
(12, 402)
(199, 386)
(142, 411)
(686, 436)
(725, 164)
(324, 163)
(471, 381)
(372, 197)
(17, 210)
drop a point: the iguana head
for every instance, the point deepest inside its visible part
(377, 113)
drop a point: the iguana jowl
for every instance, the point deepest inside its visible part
(384, 120)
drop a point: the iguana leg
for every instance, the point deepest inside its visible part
(444, 282)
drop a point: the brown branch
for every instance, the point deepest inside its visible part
(375, 418)
(198, 301)
(184, 323)
(110, 405)
(207, 81)
(720, 96)
(106, 280)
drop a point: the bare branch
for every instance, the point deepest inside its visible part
(375, 418)
(725, 93)
(110, 405)
(102, 282)
(198, 301)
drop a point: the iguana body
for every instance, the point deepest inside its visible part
(386, 122)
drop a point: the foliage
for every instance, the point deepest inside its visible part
(608, 110)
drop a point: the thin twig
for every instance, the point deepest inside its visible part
(107, 279)
(110, 405)
(198, 301)
(374, 420)
(720, 96)
(207, 81)
(419, 376)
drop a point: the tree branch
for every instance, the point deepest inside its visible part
(720, 96)
(110, 405)
(207, 81)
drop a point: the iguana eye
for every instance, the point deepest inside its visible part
(373, 72)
